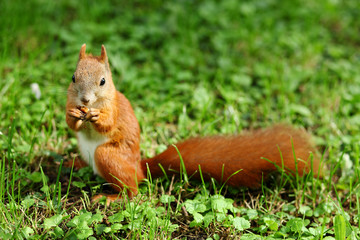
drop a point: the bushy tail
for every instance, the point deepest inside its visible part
(254, 153)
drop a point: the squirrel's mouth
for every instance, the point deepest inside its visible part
(87, 101)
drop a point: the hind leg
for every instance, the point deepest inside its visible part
(120, 167)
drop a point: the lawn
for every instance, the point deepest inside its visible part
(189, 68)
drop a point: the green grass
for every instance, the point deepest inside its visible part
(189, 68)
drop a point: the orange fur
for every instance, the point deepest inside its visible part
(109, 138)
(255, 154)
(112, 134)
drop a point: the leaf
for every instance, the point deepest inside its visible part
(53, 221)
(27, 231)
(159, 211)
(78, 184)
(209, 217)
(339, 227)
(194, 206)
(85, 233)
(316, 231)
(27, 202)
(300, 109)
(116, 218)
(241, 79)
(45, 189)
(35, 177)
(297, 224)
(252, 214)
(221, 204)
(172, 227)
(289, 208)
(150, 213)
(251, 236)
(198, 220)
(202, 98)
(221, 217)
(58, 231)
(329, 207)
(216, 236)
(5, 235)
(116, 227)
(102, 228)
(167, 198)
(241, 223)
(81, 220)
(271, 224)
(96, 218)
(306, 210)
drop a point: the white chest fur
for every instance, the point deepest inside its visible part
(88, 141)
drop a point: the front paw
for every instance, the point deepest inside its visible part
(75, 113)
(93, 115)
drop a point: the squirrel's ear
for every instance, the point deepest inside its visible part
(82, 51)
(104, 57)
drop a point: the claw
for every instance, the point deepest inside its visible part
(75, 113)
(93, 115)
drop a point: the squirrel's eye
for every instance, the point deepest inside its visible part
(102, 81)
(73, 78)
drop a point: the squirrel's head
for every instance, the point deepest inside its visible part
(92, 83)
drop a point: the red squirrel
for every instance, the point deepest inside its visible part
(108, 136)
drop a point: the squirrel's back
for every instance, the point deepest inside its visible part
(255, 153)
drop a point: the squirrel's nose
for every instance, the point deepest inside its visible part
(85, 101)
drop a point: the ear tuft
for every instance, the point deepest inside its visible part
(103, 54)
(104, 57)
(82, 53)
